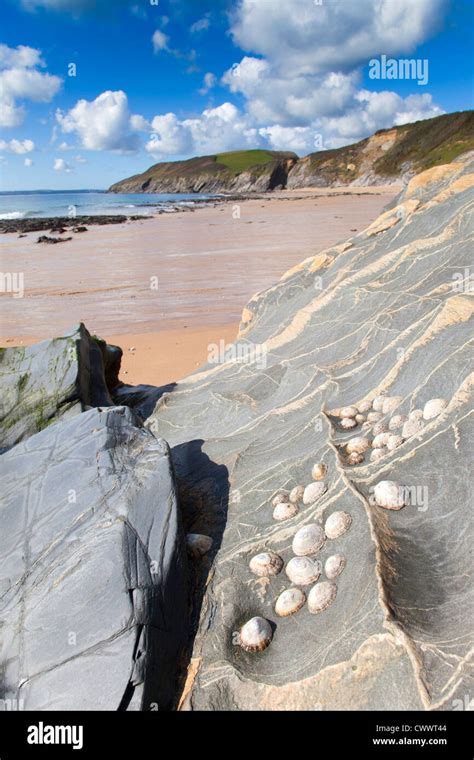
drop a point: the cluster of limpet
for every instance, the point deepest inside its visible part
(303, 569)
(287, 505)
(388, 432)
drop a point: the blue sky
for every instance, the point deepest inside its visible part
(180, 78)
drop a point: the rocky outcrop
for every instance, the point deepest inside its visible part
(235, 172)
(383, 321)
(93, 602)
(52, 380)
(387, 157)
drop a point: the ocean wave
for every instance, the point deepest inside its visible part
(14, 215)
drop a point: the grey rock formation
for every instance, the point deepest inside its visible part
(388, 312)
(93, 591)
(54, 380)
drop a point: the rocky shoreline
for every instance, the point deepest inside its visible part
(165, 520)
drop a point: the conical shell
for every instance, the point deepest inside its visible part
(279, 499)
(302, 571)
(348, 422)
(364, 406)
(434, 407)
(374, 416)
(415, 414)
(380, 427)
(377, 454)
(380, 440)
(412, 427)
(266, 564)
(290, 601)
(319, 471)
(198, 544)
(256, 635)
(397, 421)
(313, 492)
(334, 566)
(391, 403)
(391, 495)
(296, 494)
(355, 458)
(308, 540)
(359, 445)
(337, 524)
(360, 418)
(377, 403)
(349, 411)
(394, 442)
(321, 596)
(285, 511)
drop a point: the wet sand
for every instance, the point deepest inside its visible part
(171, 285)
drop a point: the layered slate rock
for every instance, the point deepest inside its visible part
(53, 380)
(388, 312)
(93, 588)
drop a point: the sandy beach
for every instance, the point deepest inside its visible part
(165, 287)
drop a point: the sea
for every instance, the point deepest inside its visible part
(49, 203)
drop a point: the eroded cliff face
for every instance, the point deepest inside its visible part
(385, 315)
(256, 179)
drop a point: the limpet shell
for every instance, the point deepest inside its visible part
(334, 566)
(355, 458)
(380, 440)
(394, 442)
(397, 421)
(290, 601)
(412, 427)
(415, 414)
(391, 403)
(360, 418)
(377, 454)
(433, 407)
(197, 544)
(374, 416)
(359, 445)
(348, 422)
(321, 596)
(279, 499)
(348, 411)
(337, 524)
(303, 570)
(391, 495)
(266, 564)
(296, 494)
(380, 427)
(256, 634)
(377, 403)
(319, 471)
(308, 540)
(285, 511)
(313, 492)
(364, 406)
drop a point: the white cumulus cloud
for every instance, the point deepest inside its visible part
(200, 25)
(60, 165)
(28, 162)
(21, 79)
(160, 41)
(214, 130)
(102, 124)
(17, 146)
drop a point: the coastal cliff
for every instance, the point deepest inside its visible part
(388, 156)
